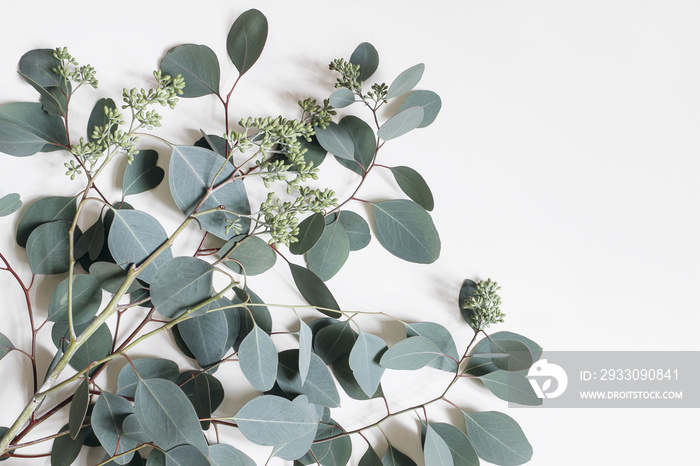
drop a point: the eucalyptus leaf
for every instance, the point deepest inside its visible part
(414, 186)
(26, 129)
(250, 256)
(110, 277)
(460, 447)
(5, 346)
(44, 210)
(147, 368)
(401, 123)
(305, 348)
(336, 140)
(442, 339)
(367, 57)
(330, 252)
(334, 341)
(136, 460)
(9, 204)
(258, 358)
(206, 336)
(517, 355)
(87, 298)
(479, 365)
(204, 391)
(107, 419)
(318, 386)
(394, 457)
(48, 250)
(180, 284)
(193, 171)
(468, 289)
(38, 65)
(246, 39)
(364, 142)
(135, 235)
(297, 447)
(406, 81)
(497, 438)
(272, 420)
(364, 361)
(198, 66)
(155, 458)
(142, 174)
(370, 458)
(91, 241)
(166, 415)
(406, 230)
(134, 430)
(212, 142)
(99, 117)
(346, 378)
(97, 347)
(435, 449)
(341, 98)
(254, 307)
(357, 229)
(65, 449)
(314, 291)
(225, 455)
(187, 455)
(310, 231)
(329, 451)
(513, 387)
(428, 100)
(54, 100)
(78, 408)
(411, 354)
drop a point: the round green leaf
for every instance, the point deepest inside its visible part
(142, 174)
(367, 57)
(314, 291)
(357, 229)
(91, 242)
(517, 356)
(133, 237)
(39, 65)
(406, 230)
(318, 387)
(97, 347)
(198, 66)
(166, 415)
(225, 455)
(497, 438)
(147, 368)
(341, 98)
(364, 361)
(478, 365)
(193, 170)
(336, 140)
(134, 430)
(428, 100)
(258, 358)
(87, 298)
(411, 354)
(401, 123)
(406, 81)
(9, 204)
(45, 210)
(370, 458)
(334, 341)
(272, 420)
(364, 142)
(442, 339)
(255, 308)
(204, 391)
(206, 337)
(65, 449)
(48, 250)
(513, 387)
(251, 256)
(25, 129)
(331, 251)
(180, 284)
(346, 378)
(310, 231)
(246, 39)
(212, 142)
(107, 418)
(333, 452)
(414, 186)
(110, 277)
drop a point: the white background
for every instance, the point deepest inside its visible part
(564, 165)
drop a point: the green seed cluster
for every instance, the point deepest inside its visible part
(484, 304)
